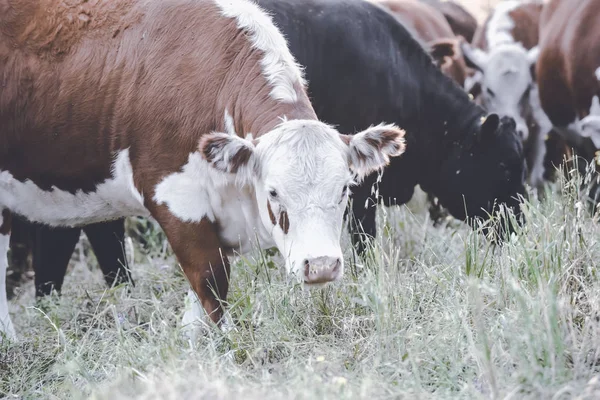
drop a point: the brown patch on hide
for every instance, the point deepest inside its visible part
(271, 215)
(240, 158)
(284, 221)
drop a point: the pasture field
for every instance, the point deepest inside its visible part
(433, 313)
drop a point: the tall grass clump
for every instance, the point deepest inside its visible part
(429, 313)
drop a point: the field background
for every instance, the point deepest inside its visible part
(433, 313)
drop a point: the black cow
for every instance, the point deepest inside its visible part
(363, 67)
(51, 248)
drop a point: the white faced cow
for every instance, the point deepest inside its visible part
(193, 112)
(504, 52)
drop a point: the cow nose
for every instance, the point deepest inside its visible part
(522, 131)
(322, 270)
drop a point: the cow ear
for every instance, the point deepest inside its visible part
(371, 149)
(230, 154)
(489, 126)
(474, 57)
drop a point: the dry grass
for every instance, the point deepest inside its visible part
(434, 313)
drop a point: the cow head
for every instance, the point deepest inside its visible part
(506, 80)
(489, 170)
(302, 172)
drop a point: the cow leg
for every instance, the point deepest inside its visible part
(556, 150)
(20, 253)
(53, 248)
(107, 240)
(198, 250)
(6, 325)
(538, 154)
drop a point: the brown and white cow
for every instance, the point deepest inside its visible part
(568, 72)
(193, 112)
(460, 20)
(432, 30)
(504, 51)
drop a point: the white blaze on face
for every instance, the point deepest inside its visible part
(304, 179)
(301, 172)
(506, 80)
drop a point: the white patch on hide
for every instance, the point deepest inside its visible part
(590, 125)
(6, 325)
(278, 65)
(114, 198)
(185, 193)
(501, 24)
(199, 191)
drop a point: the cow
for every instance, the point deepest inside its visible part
(454, 154)
(193, 112)
(470, 160)
(431, 29)
(50, 261)
(568, 76)
(505, 50)
(460, 20)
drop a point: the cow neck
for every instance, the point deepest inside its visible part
(448, 122)
(258, 118)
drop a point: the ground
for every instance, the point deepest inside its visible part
(433, 313)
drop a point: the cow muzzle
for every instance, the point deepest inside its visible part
(322, 270)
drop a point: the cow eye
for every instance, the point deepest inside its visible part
(273, 193)
(490, 92)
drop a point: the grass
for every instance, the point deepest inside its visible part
(433, 313)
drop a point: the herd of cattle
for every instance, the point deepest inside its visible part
(233, 123)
